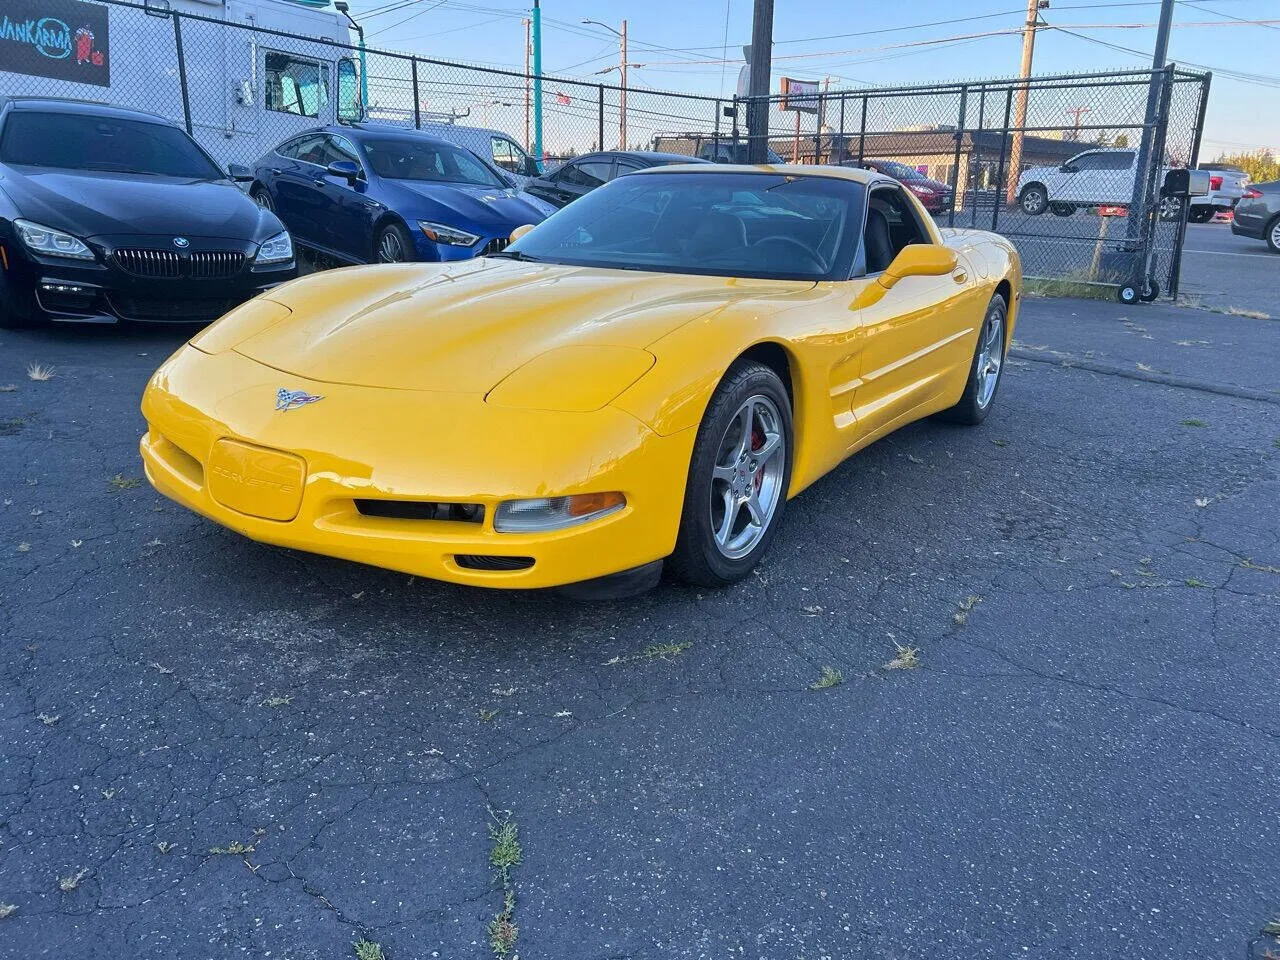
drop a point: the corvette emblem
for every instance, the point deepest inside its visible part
(181, 242)
(292, 399)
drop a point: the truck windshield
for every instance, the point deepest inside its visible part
(84, 142)
(396, 158)
(762, 225)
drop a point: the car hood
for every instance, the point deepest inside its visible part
(495, 211)
(463, 327)
(101, 204)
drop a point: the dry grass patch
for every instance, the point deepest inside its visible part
(907, 659)
(38, 371)
(831, 677)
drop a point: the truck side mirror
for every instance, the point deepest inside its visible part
(350, 105)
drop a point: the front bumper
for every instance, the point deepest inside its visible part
(105, 291)
(362, 444)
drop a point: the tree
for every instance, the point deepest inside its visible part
(1260, 165)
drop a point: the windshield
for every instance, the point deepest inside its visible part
(77, 141)
(401, 158)
(761, 225)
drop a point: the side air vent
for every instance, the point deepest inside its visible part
(485, 561)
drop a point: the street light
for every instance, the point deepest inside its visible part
(622, 71)
(343, 8)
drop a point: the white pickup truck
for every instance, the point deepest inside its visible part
(1104, 177)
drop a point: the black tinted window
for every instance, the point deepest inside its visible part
(79, 142)
(407, 159)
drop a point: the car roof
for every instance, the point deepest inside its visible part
(780, 169)
(360, 132)
(92, 108)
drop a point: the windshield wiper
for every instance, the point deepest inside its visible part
(517, 255)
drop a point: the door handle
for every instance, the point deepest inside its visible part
(277, 171)
(319, 183)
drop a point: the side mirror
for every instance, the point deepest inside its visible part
(345, 168)
(520, 231)
(350, 86)
(1068, 168)
(239, 172)
(919, 260)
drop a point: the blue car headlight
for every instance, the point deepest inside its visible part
(278, 249)
(49, 242)
(443, 233)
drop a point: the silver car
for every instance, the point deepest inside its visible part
(1258, 214)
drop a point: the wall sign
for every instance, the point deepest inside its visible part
(60, 39)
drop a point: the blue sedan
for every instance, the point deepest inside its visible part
(364, 194)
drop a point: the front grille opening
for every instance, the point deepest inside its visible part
(488, 561)
(495, 246)
(181, 461)
(422, 510)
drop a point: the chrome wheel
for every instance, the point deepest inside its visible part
(390, 247)
(1034, 201)
(990, 354)
(1274, 239)
(746, 483)
(1170, 208)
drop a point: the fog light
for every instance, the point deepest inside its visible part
(555, 513)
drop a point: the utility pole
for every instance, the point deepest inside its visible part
(1141, 170)
(1020, 109)
(1077, 113)
(537, 83)
(758, 90)
(622, 96)
(528, 94)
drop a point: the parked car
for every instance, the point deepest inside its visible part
(708, 146)
(1102, 177)
(112, 214)
(373, 193)
(1257, 214)
(1226, 187)
(585, 173)
(493, 146)
(936, 196)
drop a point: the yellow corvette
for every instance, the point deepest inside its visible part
(647, 376)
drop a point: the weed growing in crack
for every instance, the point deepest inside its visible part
(120, 482)
(1193, 582)
(654, 651)
(966, 607)
(367, 950)
(9, 388)
(504, 856)
(907, 658)
(1193, 422)
(273, 701)
(234, 849)
(831, 677)
(488, 716)
(37, 371)
(164, 847)
(68, 884)
(1250, 565)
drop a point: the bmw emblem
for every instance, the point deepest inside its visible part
(181, 242)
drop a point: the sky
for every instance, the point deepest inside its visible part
(682, 43)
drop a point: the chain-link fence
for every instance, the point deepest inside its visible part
(1054, 163)
(1057, 164)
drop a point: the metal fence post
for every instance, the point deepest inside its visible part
(715, 135)
(600, 118)
(1004, 149)
(417, 99)
(182, 70)
(843, 151)
(862, 130)
(955, 161)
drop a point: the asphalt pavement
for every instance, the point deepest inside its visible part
(1224, 271)
(214, 748)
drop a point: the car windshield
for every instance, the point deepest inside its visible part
(77, 141)
(763, 225)
(400, 158)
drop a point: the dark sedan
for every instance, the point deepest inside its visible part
(1257, 215)
(935, 195)
(370, 193)
(585, 173)
(112, 214)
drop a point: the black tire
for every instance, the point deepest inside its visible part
(262, 197)
(1062, 209)
(1271, 233)
(391, 238)
(1033, 200)
(698, 559)
(1153, 291)
(10, 317)
(1200, 214)
(1127, 293)
(972, 410)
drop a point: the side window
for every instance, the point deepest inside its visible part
(1120, 160)
(626, 166)
(308, 149)
(504, 155)
(296, 85)
(1088, 161)
(341, 148)
(891, 225)
(587, 173)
